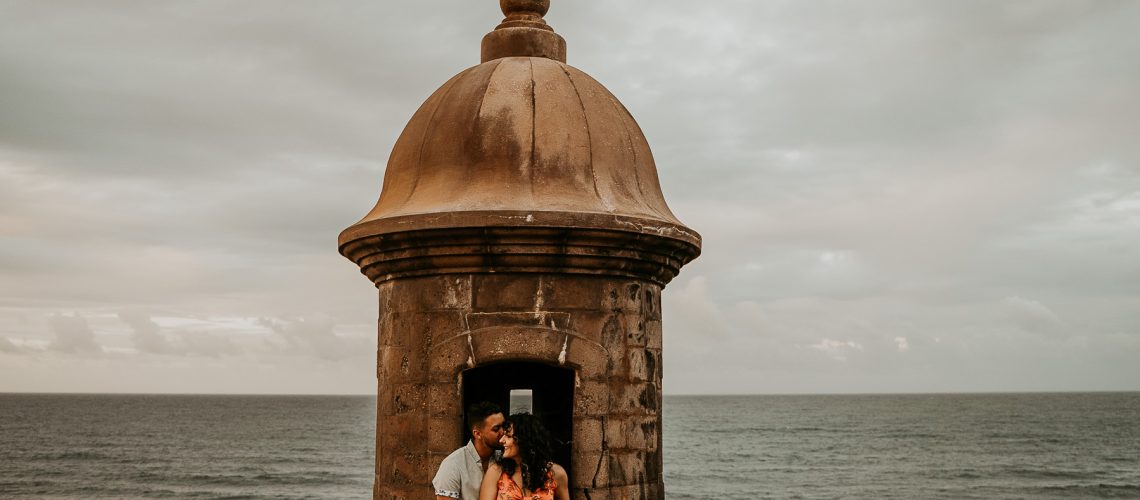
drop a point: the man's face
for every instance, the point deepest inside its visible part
(491, 430)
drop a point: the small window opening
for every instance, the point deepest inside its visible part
(521, 401)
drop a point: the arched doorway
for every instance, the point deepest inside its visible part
(552, 396)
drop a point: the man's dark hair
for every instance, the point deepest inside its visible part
(478, 412)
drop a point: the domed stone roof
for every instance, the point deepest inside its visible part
(522, 134)
(522, 139)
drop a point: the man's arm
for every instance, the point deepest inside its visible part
(448, 483)
(445, 494)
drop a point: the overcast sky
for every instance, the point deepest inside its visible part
(895, 196)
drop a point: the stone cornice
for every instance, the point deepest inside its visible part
(509, 242)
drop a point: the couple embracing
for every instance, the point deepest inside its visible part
(506, 459)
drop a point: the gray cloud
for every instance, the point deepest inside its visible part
(8, 347)
(210, 344)
(145, 333)
(317, 336)
(148, 337)
(960, 175)
(73, 335)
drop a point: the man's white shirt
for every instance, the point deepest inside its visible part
(460, 474)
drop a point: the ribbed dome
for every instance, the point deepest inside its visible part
(522, 134)
(522, 140)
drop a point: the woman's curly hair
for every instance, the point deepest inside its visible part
(534, 444)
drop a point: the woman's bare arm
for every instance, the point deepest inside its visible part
(562, 491)
(490, 485)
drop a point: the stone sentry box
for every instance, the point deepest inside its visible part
(521, 241)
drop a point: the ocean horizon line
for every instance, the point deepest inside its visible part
(768, 394)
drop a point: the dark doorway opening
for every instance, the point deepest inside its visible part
(552, 396)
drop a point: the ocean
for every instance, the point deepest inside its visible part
(959, 446)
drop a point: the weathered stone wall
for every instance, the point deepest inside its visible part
(607, 329)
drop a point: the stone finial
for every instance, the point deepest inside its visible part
(522, 6)
(523, 33)
(524, 13)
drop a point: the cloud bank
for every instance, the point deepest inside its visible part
(894, 196)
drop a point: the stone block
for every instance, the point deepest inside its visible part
(447, 359)
(623, 400)
(388, 492)
(410, 399)
(653, 466)
(385, 329)
(456, 292)
(402, 330)
(591, 399)
(642, 433)
(589, 324)
(379, 374)
(642, 365)
(633, 325)
(401, 297)
(438, 326)
(627, 398)
(419, 362)
(384, 296)
(628, 475)
(649, 398)
(384, 463)
(616, 438)
(505, 292)
(613, 340)
(653, 334)
(572, 293)
(406, 432)
(592, 362)
(509, 343)
(411, 469)
(650, 305)
(591, 470)
(636, 491)
(385, 400)
(589, 494)
(444, 435)
(624, 468)
(589, 435)
(654, 490)
(395, 365)
(444, 400)
(381, 446)
(554, 320)
(657, 370)
(622, 296)
(431, 293)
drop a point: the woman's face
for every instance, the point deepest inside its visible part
(510, 446)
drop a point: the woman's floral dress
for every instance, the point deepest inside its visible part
(509, 490)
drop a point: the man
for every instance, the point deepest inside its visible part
(461, 472)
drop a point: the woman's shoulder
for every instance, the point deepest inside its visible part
(494, 470)
(558, 472)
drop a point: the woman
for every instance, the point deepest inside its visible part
(525, 472)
